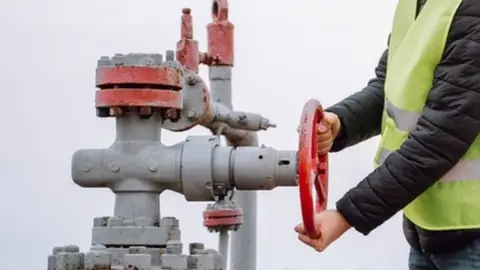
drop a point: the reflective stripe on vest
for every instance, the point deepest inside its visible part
(404, 120)
(464, 170)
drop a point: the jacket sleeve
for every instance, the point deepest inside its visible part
(449, 124)
(361, 113)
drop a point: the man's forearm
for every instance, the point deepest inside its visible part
(361, 113)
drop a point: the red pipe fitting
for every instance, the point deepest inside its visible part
(187, 47)
(220, 36)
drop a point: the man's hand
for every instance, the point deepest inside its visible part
(331, 225)
(328, 130)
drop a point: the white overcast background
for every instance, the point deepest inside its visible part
(285, 53)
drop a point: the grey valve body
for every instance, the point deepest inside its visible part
(137, 167)
(194, 168)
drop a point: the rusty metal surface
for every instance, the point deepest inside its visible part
(187, 48)
(155, 76)
(220, 36)
(197, 104)
(138, 97)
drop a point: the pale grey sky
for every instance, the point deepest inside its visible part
(286, 53)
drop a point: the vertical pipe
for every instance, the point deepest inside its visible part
(223, 247)
(132, 130)
(130, 205)
(244, 241)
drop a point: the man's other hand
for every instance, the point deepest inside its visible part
(328, 130)
(331, 225)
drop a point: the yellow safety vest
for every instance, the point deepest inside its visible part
(415, 49)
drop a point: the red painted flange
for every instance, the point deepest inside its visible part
(312, 168)
(220, 218)
(138, 98)
(138, 86)
(120, 75)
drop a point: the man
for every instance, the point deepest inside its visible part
(426, 105)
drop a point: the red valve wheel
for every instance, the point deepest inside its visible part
(312, 167)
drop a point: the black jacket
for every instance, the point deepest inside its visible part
(449, 124)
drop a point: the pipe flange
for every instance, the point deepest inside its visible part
(222, 215)
(136, 80)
